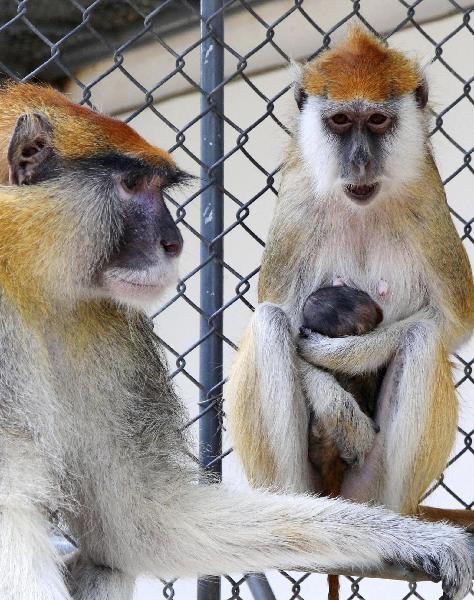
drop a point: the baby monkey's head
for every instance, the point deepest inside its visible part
(340, 310)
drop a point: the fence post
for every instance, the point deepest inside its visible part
(212, 220)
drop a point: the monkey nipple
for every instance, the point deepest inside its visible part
(382, 288)
(339, 281)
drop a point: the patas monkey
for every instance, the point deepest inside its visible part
(361, 199)
(90, 426)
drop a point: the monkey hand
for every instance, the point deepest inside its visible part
(450, 560)
(338, 413)
(352, 431)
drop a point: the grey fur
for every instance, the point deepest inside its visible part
(91, 428)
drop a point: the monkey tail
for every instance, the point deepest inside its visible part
(333, 585)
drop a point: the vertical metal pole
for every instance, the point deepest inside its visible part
(212, 222)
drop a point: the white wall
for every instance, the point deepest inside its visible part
(179, 325)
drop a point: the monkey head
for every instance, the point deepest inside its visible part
(363, 124)
(340, 310)
(84, 207)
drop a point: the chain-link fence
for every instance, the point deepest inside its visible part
(208, 80)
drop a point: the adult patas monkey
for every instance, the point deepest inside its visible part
(90, 425)
(360, 199)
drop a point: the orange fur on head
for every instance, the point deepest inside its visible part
(78, 131)
(362, 66)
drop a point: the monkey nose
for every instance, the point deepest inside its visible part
(361, 161)
(172, 247)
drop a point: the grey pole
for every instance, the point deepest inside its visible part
(212, 221)
(259, 587)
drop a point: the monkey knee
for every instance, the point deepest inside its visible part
(90, 581)
(268, 312)
(421, 334)
(271, 319)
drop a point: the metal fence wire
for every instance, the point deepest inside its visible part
(83, 46)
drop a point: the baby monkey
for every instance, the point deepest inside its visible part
(339, 311)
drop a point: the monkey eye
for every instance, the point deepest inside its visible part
(340, 119)
(340, 122)
(32, 150)
(131, 181)
(378, 122)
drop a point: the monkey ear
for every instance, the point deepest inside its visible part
(421, 94)
(30, 146)
(300, 96)
(298, 88)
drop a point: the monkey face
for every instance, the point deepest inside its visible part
(146, 243)
(357, 149)
(363, 124)
(114, 236)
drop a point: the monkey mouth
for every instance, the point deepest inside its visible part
(361, 193)
(138, 287)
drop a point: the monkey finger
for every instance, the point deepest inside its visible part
(304, 332)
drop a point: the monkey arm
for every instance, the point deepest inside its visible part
(213, 530)
(338, 412)
(359, 354)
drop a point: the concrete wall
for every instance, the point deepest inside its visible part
(179, 104)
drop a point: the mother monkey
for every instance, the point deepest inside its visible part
(361, 198)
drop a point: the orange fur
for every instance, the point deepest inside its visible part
(78, 131)
(252, 447)
(361, 67)
(31, 233)
(439, 433)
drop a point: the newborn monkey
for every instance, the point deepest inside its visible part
(338, 311)
(341, 310)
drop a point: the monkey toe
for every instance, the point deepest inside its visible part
(354, 458)
(352, 461)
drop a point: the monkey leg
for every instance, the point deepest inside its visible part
(417, 415)
(338, 413)
(267, 414)
(30, 568)
(88, 581)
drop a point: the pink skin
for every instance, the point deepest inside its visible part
(339, 281)
(382, 288)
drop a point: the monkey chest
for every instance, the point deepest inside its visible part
(389, 272)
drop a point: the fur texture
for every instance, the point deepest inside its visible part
(361, 67)
(403, 236)
(90, 425)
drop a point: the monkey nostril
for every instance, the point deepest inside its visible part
(171, 248)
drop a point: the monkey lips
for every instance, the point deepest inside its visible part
(361, 193)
